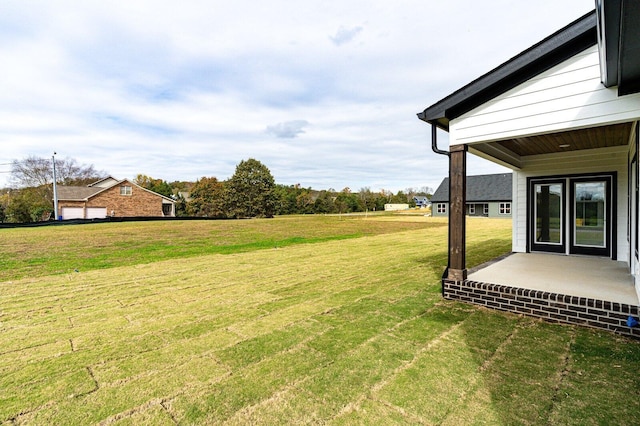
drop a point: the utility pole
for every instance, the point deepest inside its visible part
(55, 189)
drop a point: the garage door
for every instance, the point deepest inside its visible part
(96, 212)
(72, 213)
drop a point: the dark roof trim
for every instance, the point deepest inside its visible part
(608, 15)
(619, 44)
(565, 43)
(629, 54)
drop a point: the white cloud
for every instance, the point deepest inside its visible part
(183, 90)
(345, 35)
(288, 129)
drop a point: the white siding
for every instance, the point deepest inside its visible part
(568, 96)
(105, 183)
(577, 162)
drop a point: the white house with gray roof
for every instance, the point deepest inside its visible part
(487, 196)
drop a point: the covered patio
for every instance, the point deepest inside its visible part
(589, 277)
(587, 291)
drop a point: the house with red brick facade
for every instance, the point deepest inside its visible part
(110, 197)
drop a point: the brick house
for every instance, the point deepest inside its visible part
(114, 198)
(564, 116)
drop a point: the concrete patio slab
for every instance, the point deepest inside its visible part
(596, 278)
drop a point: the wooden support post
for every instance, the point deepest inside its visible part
(457, 220)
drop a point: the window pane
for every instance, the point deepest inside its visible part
(548, 202)
(590, 214)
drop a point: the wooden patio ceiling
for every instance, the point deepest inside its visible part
(595, 137)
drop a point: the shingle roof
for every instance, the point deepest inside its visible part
(77, 193)
(495, 187)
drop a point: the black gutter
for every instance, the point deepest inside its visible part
(608, 15)
(434, 147)
(434, 141)
(629, 54)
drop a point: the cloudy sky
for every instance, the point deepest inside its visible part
(324, 93)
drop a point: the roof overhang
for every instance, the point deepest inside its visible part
(565, 43)
(613, 26)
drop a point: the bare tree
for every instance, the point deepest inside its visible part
(36, 171)
(31, 172)
(69, 172)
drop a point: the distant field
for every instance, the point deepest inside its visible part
(324, 320)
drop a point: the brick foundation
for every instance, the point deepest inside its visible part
(553, 307)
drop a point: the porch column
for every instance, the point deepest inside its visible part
(457, 203)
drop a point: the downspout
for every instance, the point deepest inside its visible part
(434, 147)
(434, 141)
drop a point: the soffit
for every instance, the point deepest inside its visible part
(591, 138)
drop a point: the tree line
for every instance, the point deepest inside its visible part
(250, 192)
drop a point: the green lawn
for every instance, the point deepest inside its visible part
(31, 252)
(285, 321)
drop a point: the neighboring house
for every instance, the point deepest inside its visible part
(421, 201)
(111, 197)
(563, 115)
(486, 195)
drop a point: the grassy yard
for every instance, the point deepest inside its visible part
(31, 252)
(296, 320)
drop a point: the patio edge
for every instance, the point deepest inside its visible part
(553, 307)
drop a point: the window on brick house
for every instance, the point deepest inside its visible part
(125, 190)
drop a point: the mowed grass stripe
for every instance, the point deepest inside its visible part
(337, 332)
(347, 380)
(144, 310)
(329, 380)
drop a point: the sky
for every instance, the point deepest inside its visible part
(323, 92)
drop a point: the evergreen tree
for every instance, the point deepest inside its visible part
(207, 199)
(251, 191)
(324, 203)
(28, 205)
(158, 186)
